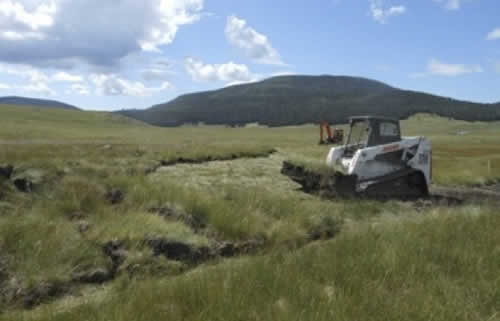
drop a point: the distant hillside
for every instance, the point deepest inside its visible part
(24, 101)
(292, 100)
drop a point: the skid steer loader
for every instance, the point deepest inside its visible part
(375, 161)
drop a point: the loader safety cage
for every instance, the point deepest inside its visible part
(378, 131)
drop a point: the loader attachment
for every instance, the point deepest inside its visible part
(331, 184)
(404, 184)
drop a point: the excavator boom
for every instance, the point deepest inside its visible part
(334, 137)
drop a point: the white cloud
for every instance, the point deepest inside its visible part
(16, 13)
(494, 34)
(80, 89)
(255, 45)
(4, 86)
(158, 70)
(28, 73)
(283, 73)
(15, 36)
(37, 81)
(451, 4)
(381, 15)
(67, 77)
(154, 74)
(230, 72)
(100, 33)
(39, 88)
(438, 68)
(112, 85)
(170, 15)
(35, 75)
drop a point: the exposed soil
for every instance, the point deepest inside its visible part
(6, 171)
(42, 293)
(466, 194)
(23, 184)
(115, 196)
(493, 187)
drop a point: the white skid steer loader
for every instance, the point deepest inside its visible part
(375, 161)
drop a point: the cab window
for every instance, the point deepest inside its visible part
(388, 129)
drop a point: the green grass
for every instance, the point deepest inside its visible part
(390, 260)
(436, 268)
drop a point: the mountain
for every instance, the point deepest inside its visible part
(24, 101)
(292, 100)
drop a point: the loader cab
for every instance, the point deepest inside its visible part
(369, 131)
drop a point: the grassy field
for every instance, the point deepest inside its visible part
(96, 235)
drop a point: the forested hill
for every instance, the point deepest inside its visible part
(292, 100)
(24, 101)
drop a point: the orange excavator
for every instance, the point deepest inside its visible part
(335, 137)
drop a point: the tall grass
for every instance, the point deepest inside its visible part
(437, 268)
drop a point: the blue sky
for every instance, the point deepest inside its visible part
(108, 55)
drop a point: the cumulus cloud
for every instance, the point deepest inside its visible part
(494, 34)
(450, 4)
(62, 32)
(112, 85)
(39, 88)
(154, 74)
(15, 13)
(255, 45)
(17, 36)
(36, 80)
(67, 77)
(4, 86)
(80, 89)
(381, 15)
(158, 70)
(230, 72)
(25, 72)
(438, 68)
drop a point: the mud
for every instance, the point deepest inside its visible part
(180, 251)
(23, 184)
(115, 251)
(43, 292)
(115, 196)
(309, 180)
(6, 171)
(465, 194)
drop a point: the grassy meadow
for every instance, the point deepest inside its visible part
(98, 182)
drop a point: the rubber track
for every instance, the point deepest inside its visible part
(328, 186)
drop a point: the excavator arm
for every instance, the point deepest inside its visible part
(334, 137)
